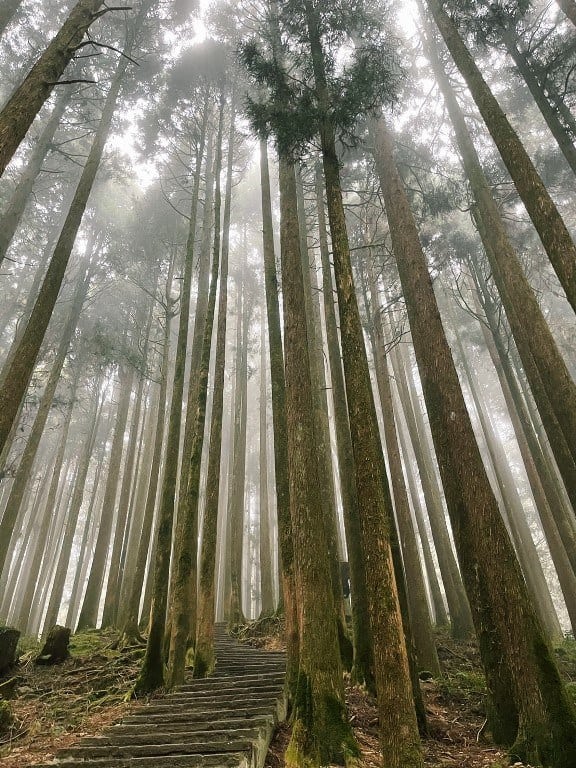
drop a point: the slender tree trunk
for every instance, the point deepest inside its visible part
(17, 377)
(90, 607)
(362, 670)
(550, 115)
(185, 549)
(515, 653)
(237, 493)
(134, 589)
(26, 101)
(553, 233)
(14, 503)
(550, 380)
(460, 616)
(72, 518)
(265, 540)
(420, 622)
(12, 214)
(278, 387)
(183, 582)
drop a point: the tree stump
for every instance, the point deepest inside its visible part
(55, 649)
(8, 641)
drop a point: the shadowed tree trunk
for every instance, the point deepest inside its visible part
(553, 233)
(538, 717)
(26, 101)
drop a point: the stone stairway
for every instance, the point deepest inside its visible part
(224, 721)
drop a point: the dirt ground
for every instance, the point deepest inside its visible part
(53, 707)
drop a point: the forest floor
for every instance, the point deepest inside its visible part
(53, 707)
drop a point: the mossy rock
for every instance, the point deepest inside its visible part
(6, 716)
(8, 644)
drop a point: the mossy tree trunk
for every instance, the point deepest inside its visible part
(532, 708)
(551, 228)
(204, 630)
(278, 387)
(362, 670)
(322, 428)
(26, 101)
(186, 544)
(321, 733)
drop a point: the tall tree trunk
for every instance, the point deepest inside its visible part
(135, 587)
(89, 613)
(550, 381)
(16, 379)
(322, 427)
(420, 622)
(460, 616)
(236, 498)
(514, 649)
(26, 101)
(278, 387)
(553, 233)
(186, 545)
(14, 503)
(320, 733)
(362, 670)
(185, 548)
(264, 538)
(13, 212)
(550, 115)
(398, 725)
(71, 519)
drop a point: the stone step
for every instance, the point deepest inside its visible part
(184, 715)
(223, 692)
(152, 750)
(223, 760)
(208, 726)
(241, 704)
(245, 682)
(195, 741)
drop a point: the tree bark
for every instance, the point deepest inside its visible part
(264, 538)
(514, 650)
(553, 233)
(26, 101)
(278, 387)
(569, 9)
